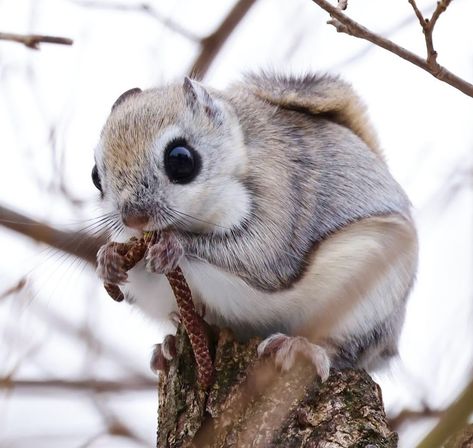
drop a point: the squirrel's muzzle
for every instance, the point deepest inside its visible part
(135, 218)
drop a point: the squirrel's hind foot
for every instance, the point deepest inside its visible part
(286, 348)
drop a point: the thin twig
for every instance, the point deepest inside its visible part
(417, 12)
(410, 416)
(64, 326)
(115, 425)
(428, 28)
(212, 44)
(33, 40)
(344, 24)
(406, 21)
(442, 5)
(14, 289)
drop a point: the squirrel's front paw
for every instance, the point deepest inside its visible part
(164, 256)
(111, 264)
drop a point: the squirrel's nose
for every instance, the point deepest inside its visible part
(135, 220)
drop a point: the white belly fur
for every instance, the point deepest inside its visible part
(356, 279)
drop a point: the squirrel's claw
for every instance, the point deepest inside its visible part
(162, 354)
(286, 348)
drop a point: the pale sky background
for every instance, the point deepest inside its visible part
(53, 103)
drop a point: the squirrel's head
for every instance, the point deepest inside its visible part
(173, 156)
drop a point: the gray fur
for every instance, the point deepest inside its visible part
(310, 177)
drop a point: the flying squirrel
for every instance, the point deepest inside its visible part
(276, 202)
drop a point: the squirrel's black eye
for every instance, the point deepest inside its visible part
(96, 178)
(181, 164)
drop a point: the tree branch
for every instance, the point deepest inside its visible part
(344, 24)
(442, 5)
(410, 416)
(461, 439)
(80, 385)
(78, 244)
(428, 29)
(33, 40)
(417, 12)
(20, 284)
(212, 44)
(454, 418)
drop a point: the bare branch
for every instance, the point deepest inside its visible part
(417, 12)
(454, 418)
(442, 5)
(13, 289)
(428, 28)
(65, 241)
(403, 23)
(93, 385)
(212, 44)
(461, 438)
(409, 416)
(348, 26)
(98, 345)
(115, 425)
(33, 40)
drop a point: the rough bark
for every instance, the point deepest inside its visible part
(251, 404)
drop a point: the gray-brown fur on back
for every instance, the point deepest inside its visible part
(317, 94)
(308, 177)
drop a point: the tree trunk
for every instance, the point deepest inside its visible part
(251, 404)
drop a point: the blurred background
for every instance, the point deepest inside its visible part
(73, 363)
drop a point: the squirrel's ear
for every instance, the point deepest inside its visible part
(124, 95)
(198, 99)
